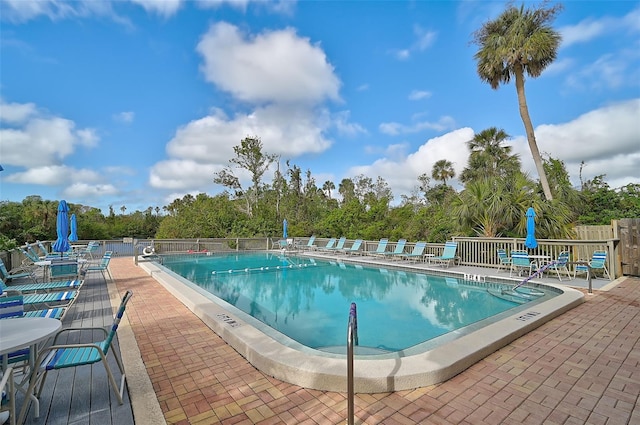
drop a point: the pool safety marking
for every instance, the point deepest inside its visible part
(527, 316)
(266, 268)
(228, 320)
(475, 277)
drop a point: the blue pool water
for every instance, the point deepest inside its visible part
(308, 300)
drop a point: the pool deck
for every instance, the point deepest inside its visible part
(581, 367)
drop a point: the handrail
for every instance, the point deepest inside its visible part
(352, 338)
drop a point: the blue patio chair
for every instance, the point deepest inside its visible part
(417, 253)
(61, 356)
(354, 249)
(103, 266)
(448, 254)
(520, 262)
(398, 251)
(560, 264)
(310, 243)
(330, 243)
(338, 246)
(504, 259)
(42, 286)
(13, 306)
(598, 262)
(382, 247)
(43, 250)
(16, 273)
(65, 268)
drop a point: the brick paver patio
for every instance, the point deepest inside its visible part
(580, 368)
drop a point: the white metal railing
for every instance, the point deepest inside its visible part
(352, 340)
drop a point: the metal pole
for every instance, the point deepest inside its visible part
(352, 337)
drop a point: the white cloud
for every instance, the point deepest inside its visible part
(16, 113)
(53, 175)
(275, 66)
(182, 174)
(401, 173)
(589, 29)
(423, 39)
(164, 8)
(606, 139)
(84, 191)
(19, 11)
(394, 128)
(125, 117)
(419, 94)
(47, 139)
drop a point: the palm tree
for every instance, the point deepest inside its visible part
(328, 186)
(443, 170)
(519, 41)
(488, 157)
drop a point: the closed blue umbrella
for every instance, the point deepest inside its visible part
(73, 236)
(62, 227)
(285, 226)
(531, 241)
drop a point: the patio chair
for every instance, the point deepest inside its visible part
(42, 286)
(598, 262)
(43, 250)
(520, 261)
(102, 267)
(330, 243)
(61, 356)
(310, 244)
(16, 273)
(560, 264)
(353, 249)
(448, 255)
(338, 246)
(504, 259)
(398, 251)
(48, 300)
(13, 306)
(382, 247)
(417, 253)
(8, 399)
(65, 268)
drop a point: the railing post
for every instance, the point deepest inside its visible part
(352, 338)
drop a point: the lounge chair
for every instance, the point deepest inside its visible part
(520, 262)
(448, 255)
(339, 246)
(310, 244)
(102, 267)
(16, 273)
(560, 264)
(61, 285)
(417, 253)
(598, 262)
(43, 250)
(505, 260)
(398, 251)
(66, 356)
(13, 306)
(353, 249)
(65, 268)
(382, 247)
(48, 300)
(330, 243)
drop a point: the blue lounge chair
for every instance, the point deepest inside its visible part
(560, 264)
(339, 246)
(382, 247)
(13, 306)
(61, 285)
(16, 273)
(354, 248)
(102, 267)
(75, 355)
(310, 243)
(330, 243)
(43, 250)
(398, 251)
(598, 262)
(520, 262)
(417, 253)
(448, 255)
(505, 260)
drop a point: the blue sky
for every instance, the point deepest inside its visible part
(135, 103)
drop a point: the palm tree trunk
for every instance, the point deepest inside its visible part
(531, 137)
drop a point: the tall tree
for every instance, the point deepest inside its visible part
(488, 157)
(249, 156)
(443, 170)
(520, 41)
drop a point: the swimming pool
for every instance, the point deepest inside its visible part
(380, 369)
(308, 300)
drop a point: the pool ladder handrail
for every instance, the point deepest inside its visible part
(352, 339)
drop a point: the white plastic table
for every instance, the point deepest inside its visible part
(24, 332)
